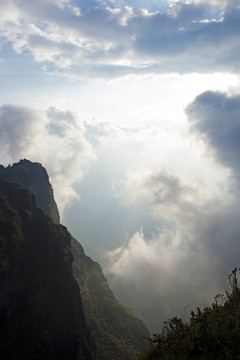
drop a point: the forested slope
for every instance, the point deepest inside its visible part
(41, 313)
(211, 334)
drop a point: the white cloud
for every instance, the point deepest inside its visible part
(103, 41)
(55, 138)
(161, 276)
(186, 260)
(196, 244)
(17, 130)
(173, 197)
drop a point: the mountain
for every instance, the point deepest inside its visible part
(118, 334)
(41, 312)
(33, 177)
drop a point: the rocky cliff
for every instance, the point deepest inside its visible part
(41, 313)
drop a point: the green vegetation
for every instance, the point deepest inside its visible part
(118, 334)
(211, 334)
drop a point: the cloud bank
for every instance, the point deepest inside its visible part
(110, 39)
(188, 257)
(52, 137)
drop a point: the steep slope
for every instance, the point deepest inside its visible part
(118, 334)
(41, 314)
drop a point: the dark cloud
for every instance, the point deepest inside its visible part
(164, 188)
(193, 40)
(215, 117)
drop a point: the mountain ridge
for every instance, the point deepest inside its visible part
(118, 334)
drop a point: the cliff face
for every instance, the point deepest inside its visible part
(118, 334)
(41, 313)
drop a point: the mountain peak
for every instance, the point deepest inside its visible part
(34, 177)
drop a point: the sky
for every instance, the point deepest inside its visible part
(133, 107)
